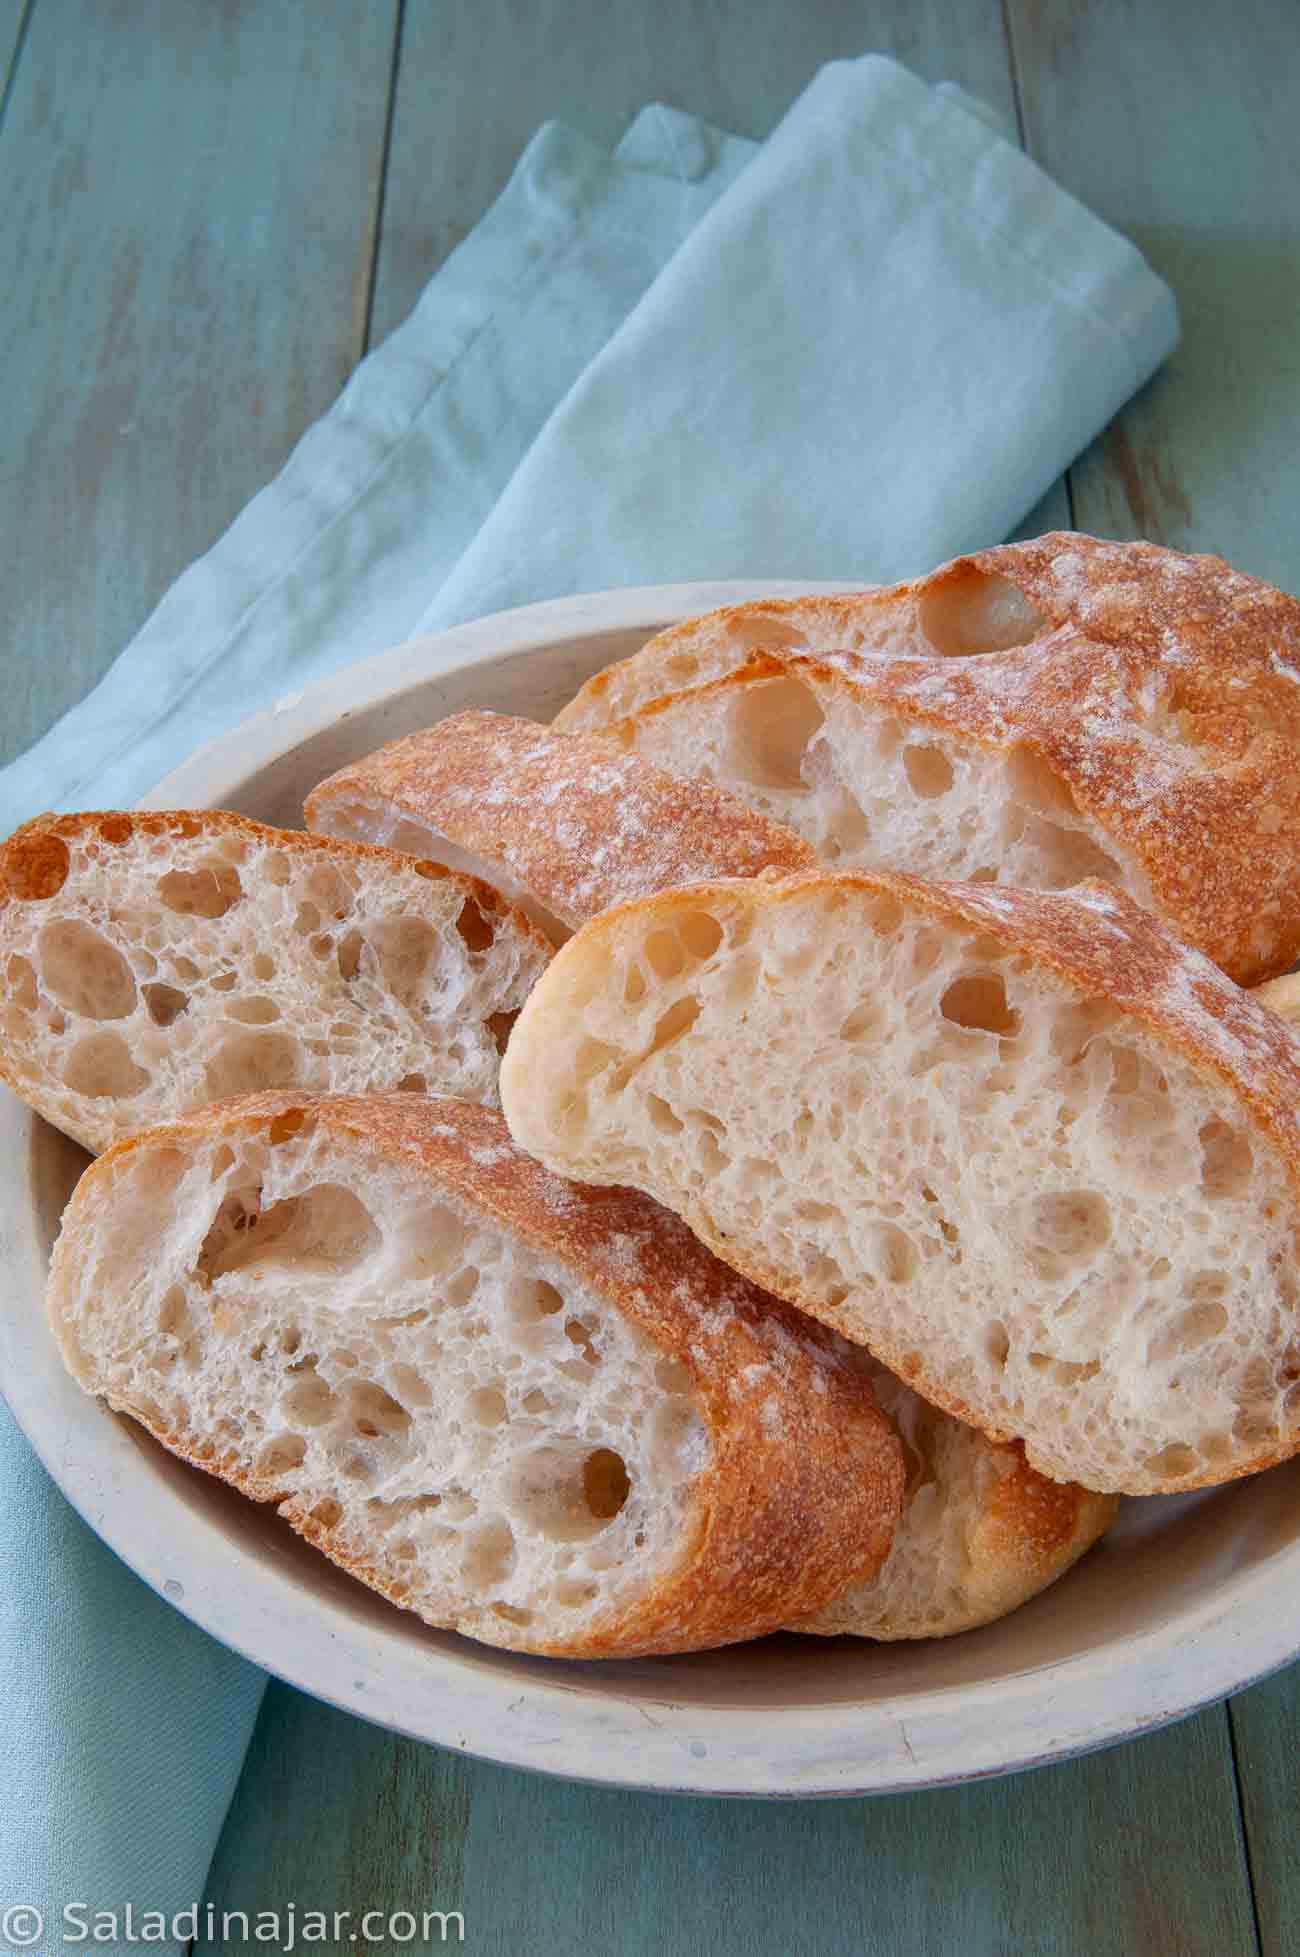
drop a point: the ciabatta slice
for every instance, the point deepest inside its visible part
(561, 823)
(1036, 714)
(535, 1413)
(1033, 1151)
(150, 963)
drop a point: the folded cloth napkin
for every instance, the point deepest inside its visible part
(873, 343)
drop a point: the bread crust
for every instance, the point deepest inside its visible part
(579, 825)
(1099, 943)
(1025, 1531)
(781, 1520)
(1161, 691)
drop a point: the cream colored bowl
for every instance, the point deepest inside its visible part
(1187, 1599)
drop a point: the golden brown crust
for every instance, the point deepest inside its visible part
(1025, 1531)
(1098, 942)
(1163, 692)
(806, 1480)
(579, 825)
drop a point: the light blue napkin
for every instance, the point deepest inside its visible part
(872, 344)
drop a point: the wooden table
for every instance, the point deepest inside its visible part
(208, 211)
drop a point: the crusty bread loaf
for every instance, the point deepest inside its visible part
(561, 823)
(981, 1531)
(1035, 714)
(1036, 1153)
(149, 963)
(570, 829)
(539, 1414)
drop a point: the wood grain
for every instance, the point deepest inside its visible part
(12, 15)
(1178, 125)
(185, 242)
(476, 78)
(1119, 1855)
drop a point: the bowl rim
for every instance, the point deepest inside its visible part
(547, 1717)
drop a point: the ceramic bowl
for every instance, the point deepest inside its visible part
(1187, 1599)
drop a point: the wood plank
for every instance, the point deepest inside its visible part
(12, 15)
(1177, 124)
(1266, 1721)
(185, 254)
(1115, 1855)
(476, 80)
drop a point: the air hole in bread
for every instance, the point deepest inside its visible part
(1176, 1459)
(665, 954)
(700, 933)
(578, 1333)
(373, 1411)
(306, 920)
(634, 986)
(862, 1022)
(85, 973)
(210, 890)
(533, 1299)
(225, 981)
(605, 1483)
(101, 1068)
(165, 1003)
(36, 867)
(967, 611)
(308, 1400)
(893, 1255)
(929, 771)
(570, 1594)
(487, 1405)
(475, 926)
(1227, 1161)
(1064, 1228)
(462, 1287)
(254, 1011)
(326, 1230)
(674, 1024)
(771, 723)
(280, 1455)
(997, 1344)
(566, 1493)
(489, 1554)
(248, 1062)
(289, 1122)
(405, 947)
(512, 1614)
(501, 1025)
(662, 1115)
(978, 1001)
(331, 889)
(348, 955)
(21, 980)
(327, 1513)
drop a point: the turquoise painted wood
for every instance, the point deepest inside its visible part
(1120, 1855)
(188, 208)
(12, 13)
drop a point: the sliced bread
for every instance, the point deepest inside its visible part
(563, 824)
(569, 829)
(539, 1414)
(150, 963)
(1035, 714)
(1037, 1154)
